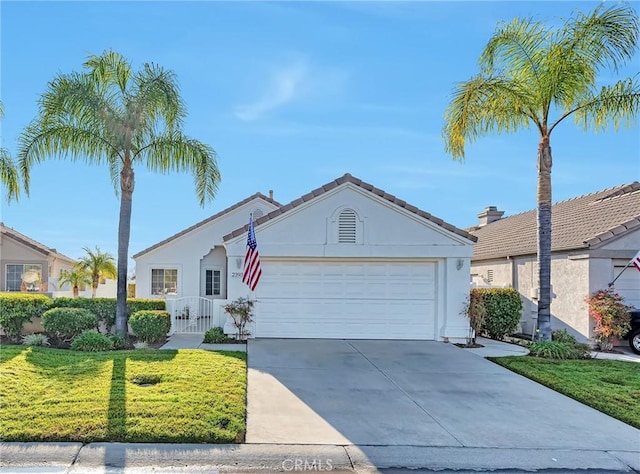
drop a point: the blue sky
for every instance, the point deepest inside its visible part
(291, 95)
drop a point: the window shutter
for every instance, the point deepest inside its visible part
(347, 227)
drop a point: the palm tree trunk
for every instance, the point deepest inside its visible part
(544, 238)
(76, 291)
(124, 231)
(94, 287)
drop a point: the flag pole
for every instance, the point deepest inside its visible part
(625, 267)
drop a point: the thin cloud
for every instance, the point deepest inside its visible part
(293, 82)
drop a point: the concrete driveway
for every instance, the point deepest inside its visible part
(411, 393)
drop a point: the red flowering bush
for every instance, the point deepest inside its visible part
(610, 315)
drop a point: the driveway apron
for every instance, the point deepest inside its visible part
(412, 393)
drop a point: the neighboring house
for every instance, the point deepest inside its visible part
(346, 260)
(27, 265)
(593, 238)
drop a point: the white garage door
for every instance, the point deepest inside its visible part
(628, 285)
(347, 300)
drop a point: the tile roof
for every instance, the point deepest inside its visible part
(579, 223)
(32, 244)
(207, 220)
(347, 178)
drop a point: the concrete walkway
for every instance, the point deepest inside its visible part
(194, 341)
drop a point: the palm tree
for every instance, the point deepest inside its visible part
(111, 115)
(8, 171)
(78, 278)
(99, 265)
(532, 75)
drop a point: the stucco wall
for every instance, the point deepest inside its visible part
(185, 252)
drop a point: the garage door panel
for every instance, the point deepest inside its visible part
(345, 319)
(357, 300)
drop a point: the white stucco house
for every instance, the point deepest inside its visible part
(346, 260)
(594, 237)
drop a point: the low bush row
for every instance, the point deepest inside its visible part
(19, 308)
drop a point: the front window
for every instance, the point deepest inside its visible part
(23, 277)
(212, 282)
(164, 281)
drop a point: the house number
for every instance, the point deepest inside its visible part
(236, 274)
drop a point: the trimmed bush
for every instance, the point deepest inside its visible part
(503, 310)
(67, 323)
(91, 341)
(559, 350)
(215, 336)
(150, 326)
(19, 308)
(35, 340)
(105, 308)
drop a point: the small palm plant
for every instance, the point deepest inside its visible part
(99, 265)
(78, 278)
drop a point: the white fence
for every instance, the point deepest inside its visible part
(195, 314)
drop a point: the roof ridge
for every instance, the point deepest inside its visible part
(209, 219)
(32, 242)
(349, 178)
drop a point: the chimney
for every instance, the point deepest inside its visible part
(271, 194)
(489, 215)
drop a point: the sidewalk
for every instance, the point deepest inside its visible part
(247, 458)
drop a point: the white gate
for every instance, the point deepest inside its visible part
(193, 314)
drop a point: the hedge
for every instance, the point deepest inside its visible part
(105, 308)
(150, 326)
(503, 310)
(18, 308)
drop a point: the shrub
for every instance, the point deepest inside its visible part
(91, 341)
(35, 340)
(503, 310)
(611, 316)
(105, 308)
(558, 350)
(140, 345)
(561, 335)
(119, 342)
(19, 308)
(476, 312)
(241, 312)
(215, 336)
(67, 323)
(150, 326)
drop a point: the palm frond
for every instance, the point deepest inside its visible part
(9, 175)
(514, 49)
(110, 68)
(607, 37)
(483, 105)
(172, 151)
(61, 141)
(614, 105)
(156, 96)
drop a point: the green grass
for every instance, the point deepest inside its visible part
(184, 396)
(610, 386)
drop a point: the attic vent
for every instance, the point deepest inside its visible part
(347, 227)
(489, 276)
(257, 214)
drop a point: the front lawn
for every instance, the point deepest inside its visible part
(183, 396)
(610, 386)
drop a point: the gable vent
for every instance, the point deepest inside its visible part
(257, 214)
(347, 227)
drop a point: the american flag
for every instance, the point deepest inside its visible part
(252, 271)
(636, 261)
